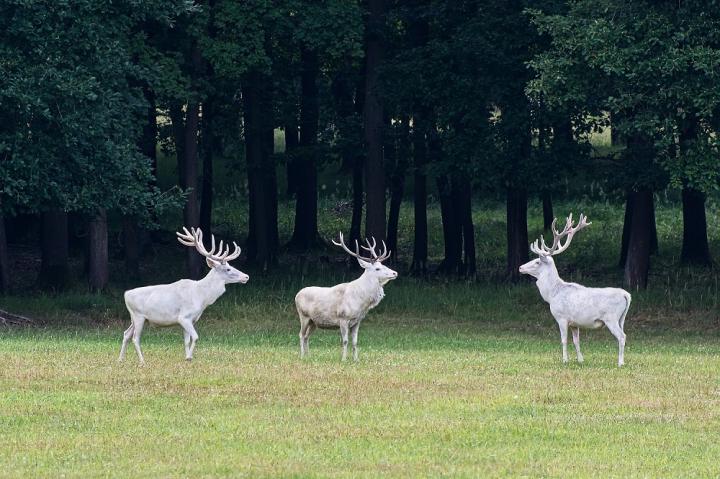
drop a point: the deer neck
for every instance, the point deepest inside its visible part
(549, 282)
(211, 287)
(369, 286)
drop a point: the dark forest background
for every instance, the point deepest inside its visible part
(117, 116)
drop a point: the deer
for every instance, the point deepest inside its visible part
(182, 302)
(345, 305)
(572, 305)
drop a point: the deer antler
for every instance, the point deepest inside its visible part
(541, 249)
(370, 248)
(194, 238)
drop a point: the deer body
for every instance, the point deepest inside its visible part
(345, 305)
(164, 303)
(344, 302)
(572, 305)
(182, 302)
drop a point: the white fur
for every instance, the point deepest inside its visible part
(181, 302)
(577, 307)
(343, 306)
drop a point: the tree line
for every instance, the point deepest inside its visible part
(465, 97)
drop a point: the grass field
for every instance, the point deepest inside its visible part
(435, 393)
(456, 378)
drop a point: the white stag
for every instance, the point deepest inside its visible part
(184, 301)
(574, 305)
(345, 305)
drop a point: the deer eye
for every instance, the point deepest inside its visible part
(377, 269)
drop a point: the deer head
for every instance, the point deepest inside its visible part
(217, 261)
(373, 264)
(537, 266)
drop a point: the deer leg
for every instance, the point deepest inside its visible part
(308, 331)
(302, 340)
(576, 342)
(187, 325)
(186, 339)
(344, 335)
(617, 331)
(354, 333)
(138, 323)
(563, 339)
(304, 325)
(127, 335)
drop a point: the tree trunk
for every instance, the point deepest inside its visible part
(262, 183)
(209, 141)
(345, 108)
(638, 255)
(397, 152)
(131, 240)
(464, 208)
(177, 119)
(191, 212)
(373, 124)
(420, 240)
(452, 230)
(627, 222)
(291, 144)
(271, 184)
(654, 244)
(358, 168)
(358, 197)
(695, 249)
(4, 259)
(517, 235)
(396, 193)
(54, 250)
(98, 251)
(257, 243)
(305, 233)
(563, 137)
(418, 31)
(348, 102)
(548, 214)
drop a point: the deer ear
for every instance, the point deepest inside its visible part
(211, 263)
(364, 264)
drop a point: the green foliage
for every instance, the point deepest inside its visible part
(652, 66)
(68, 107)
(332, 28)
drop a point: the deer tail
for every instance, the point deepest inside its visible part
(628, 299)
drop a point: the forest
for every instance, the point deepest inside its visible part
(117, 116)
(449, 133)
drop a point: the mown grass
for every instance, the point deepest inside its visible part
(436, 393)
(456, 378)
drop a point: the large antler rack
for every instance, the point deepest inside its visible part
(541, 249)
(194, 238)
(374, 258)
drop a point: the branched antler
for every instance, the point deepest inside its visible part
(375, 258)
(541, 249)
(194, 238)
